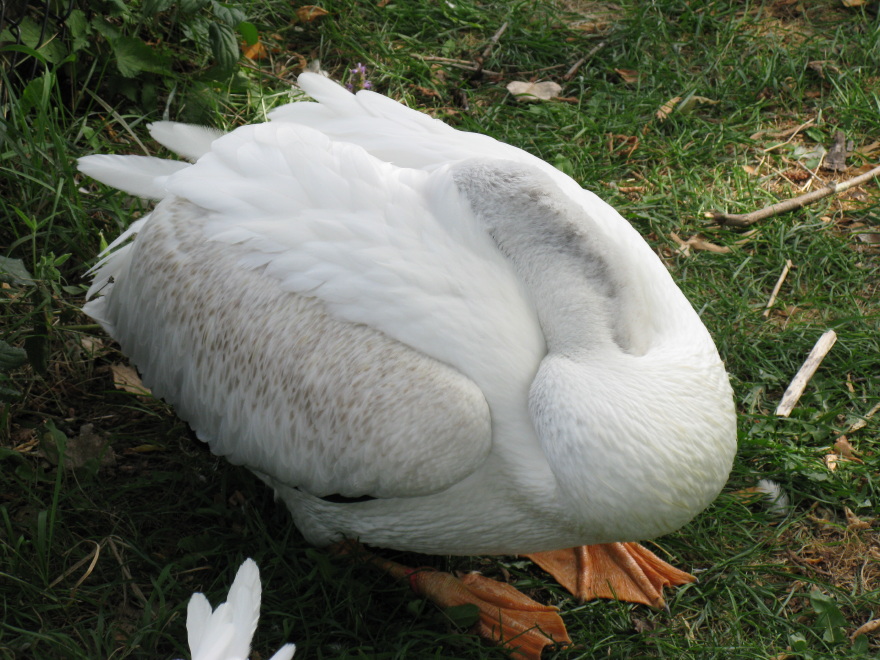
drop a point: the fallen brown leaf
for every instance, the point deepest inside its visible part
(831, 461)
(623, 144)
(843, 447)
(869, 149)
(853, 522)
(667, 108)
(126, 378)
(534, 91)
(309, 13)
(257, 51)
(628, 76)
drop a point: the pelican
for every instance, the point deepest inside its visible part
(422, 339)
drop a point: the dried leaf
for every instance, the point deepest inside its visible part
(309, 13)
(529, 91)
(382, 3)
(820, 66)
(88, 447)
(126, 378)
(831, 461)
(844, 448)
(622, 144)
(90, 345)
(629, 76)
(257, 51)
(854, 3)
(853, 522)
(697, 242)
(869, 149)
(871, 239)
(691, 101)
(667, 108)
(869, 627)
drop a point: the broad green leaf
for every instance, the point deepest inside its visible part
(134, 56)
(249, 32)
(105, 28)
(32, 34)
(228, 14)
(191, 6)
(830, 619)
(11, 356)
(79, 28)
(14, 272)
(224, 45)
(153, 7)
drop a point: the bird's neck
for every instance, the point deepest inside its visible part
(631, 405)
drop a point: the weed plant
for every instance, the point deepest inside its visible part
(112, 513)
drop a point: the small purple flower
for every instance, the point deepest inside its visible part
(358, 78)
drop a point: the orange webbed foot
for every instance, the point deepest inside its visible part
(506, 616)
(623, 571)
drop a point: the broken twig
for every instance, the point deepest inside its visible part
(776, 288)
(799, 383)
(478, 61)
(577, 65)
(748, 219)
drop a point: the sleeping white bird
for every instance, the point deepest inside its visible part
(226, 633)
(422, 339)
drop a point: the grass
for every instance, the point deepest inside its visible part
(99, 550)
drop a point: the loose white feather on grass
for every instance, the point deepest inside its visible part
(225, 633)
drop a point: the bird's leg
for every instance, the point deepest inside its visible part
(507, 617)
(623, 571)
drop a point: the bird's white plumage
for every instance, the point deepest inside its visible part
(357, 299)
(225, 633)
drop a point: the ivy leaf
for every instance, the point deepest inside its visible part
(224, 45)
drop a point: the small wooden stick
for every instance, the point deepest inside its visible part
(776, 288)
(748, 219)
(805, 373)
(494, 39)
(871, 626)
(577, 65)
(478, 61)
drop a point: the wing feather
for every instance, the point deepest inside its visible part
(321, 315)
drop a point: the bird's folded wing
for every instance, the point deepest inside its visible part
(315, 314)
